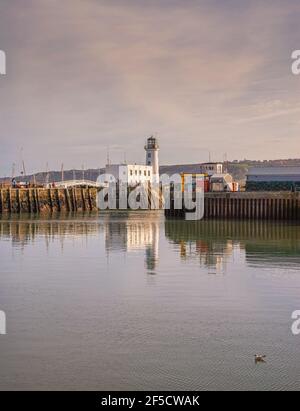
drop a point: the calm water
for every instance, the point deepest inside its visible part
(130, 301)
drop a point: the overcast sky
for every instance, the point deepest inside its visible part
(206, 75)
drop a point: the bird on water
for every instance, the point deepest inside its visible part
(260, 358)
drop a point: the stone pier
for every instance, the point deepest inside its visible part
(35, 200)
(247, 205)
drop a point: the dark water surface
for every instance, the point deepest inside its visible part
(126, 301)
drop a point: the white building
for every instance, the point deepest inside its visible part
(132, 174)
(221, 182)
(212, 168)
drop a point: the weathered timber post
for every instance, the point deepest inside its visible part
(50, 198)
(9, 200)
(37, 199)
(29, 200)
(68, 200)
(1, 199)
(90, 199)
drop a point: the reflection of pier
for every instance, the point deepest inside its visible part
(213, 241)
(131, 235)
(210, 254)
(22, 230)
(127, 232)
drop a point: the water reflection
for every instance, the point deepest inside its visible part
(124, 232)
(132, 234)
(78, 321)
(22, 230)
(211, 244)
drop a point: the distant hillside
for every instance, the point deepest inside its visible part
(238, 169)
(54, 176)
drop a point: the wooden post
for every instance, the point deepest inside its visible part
(58, 199)
(68, 200)
(1, 199)
(83, 199)
(37, 199)
(29, 200)
(9, 200)
(90, 199)
(226, 207)
(50, 199)
(74, 199)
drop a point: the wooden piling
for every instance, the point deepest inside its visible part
(250, 206)
(242, 205)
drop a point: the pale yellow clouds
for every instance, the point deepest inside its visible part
(207, 75)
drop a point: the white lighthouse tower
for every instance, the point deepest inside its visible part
(152, 148)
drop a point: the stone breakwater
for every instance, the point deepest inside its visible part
(36, 200)
(246, 206)
(241, 205)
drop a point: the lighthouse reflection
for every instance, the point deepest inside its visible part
(134, 234)
(214, 245)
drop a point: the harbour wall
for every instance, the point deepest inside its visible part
(247, 205)
(36, 200)
(72, 199)
(239, 205)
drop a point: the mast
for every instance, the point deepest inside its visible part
(62, 173)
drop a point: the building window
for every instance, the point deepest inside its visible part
(140, 172)
(131, 172)
(149, 173)
(145, 173)
(136, 172)
(149, 155)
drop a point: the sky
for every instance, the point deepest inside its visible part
(88, 77)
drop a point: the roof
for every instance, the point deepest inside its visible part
(211, 163)
(221, 175)
(192, 174)
(215, 178)
(273, 171)
(128, 165)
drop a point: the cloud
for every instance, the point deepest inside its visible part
(98, 73)
(270, 110)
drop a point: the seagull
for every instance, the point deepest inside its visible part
(260, 358)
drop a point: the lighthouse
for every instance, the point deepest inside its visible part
(152, 148)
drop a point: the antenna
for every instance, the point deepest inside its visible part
(13, 171)
(226, 163)
(47, 173)
(108, 159)
(23, 172)
(62, 172)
